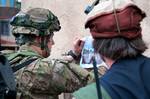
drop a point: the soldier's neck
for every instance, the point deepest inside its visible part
(36, 49)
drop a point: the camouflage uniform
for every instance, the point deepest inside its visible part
(43, 78)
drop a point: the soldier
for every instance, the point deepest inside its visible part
(115, 27)
(42, 78)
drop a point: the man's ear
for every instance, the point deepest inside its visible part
(38, 39)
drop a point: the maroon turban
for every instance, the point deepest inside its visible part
(105, 26)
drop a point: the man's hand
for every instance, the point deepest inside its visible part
(76, 52)
(78, 45)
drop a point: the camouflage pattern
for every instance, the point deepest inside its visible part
(101, 70)
(25, 30)
(41, 21)
(44, 78)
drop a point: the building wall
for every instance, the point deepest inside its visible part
(72, 18)
(145, 5)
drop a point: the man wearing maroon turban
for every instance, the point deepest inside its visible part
(115, 27)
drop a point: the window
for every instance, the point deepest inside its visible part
(4, 27)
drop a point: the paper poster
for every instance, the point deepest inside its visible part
(88, 53)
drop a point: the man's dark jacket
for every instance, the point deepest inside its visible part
(128, 78)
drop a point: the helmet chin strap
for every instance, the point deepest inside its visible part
(42, 43)
(46, 52)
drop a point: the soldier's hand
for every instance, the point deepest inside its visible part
(78, 45)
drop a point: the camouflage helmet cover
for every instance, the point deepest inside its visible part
(35, 21)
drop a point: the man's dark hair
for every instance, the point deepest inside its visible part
(119, 47)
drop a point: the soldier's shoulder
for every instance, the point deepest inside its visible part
(7, 52)
(61, 61)
(54, 61)
(51, 65)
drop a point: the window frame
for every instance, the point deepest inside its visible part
(3, 30)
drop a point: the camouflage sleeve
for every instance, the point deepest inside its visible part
(70, 75)
(54, 77)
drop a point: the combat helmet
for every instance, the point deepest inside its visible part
(38, 21)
